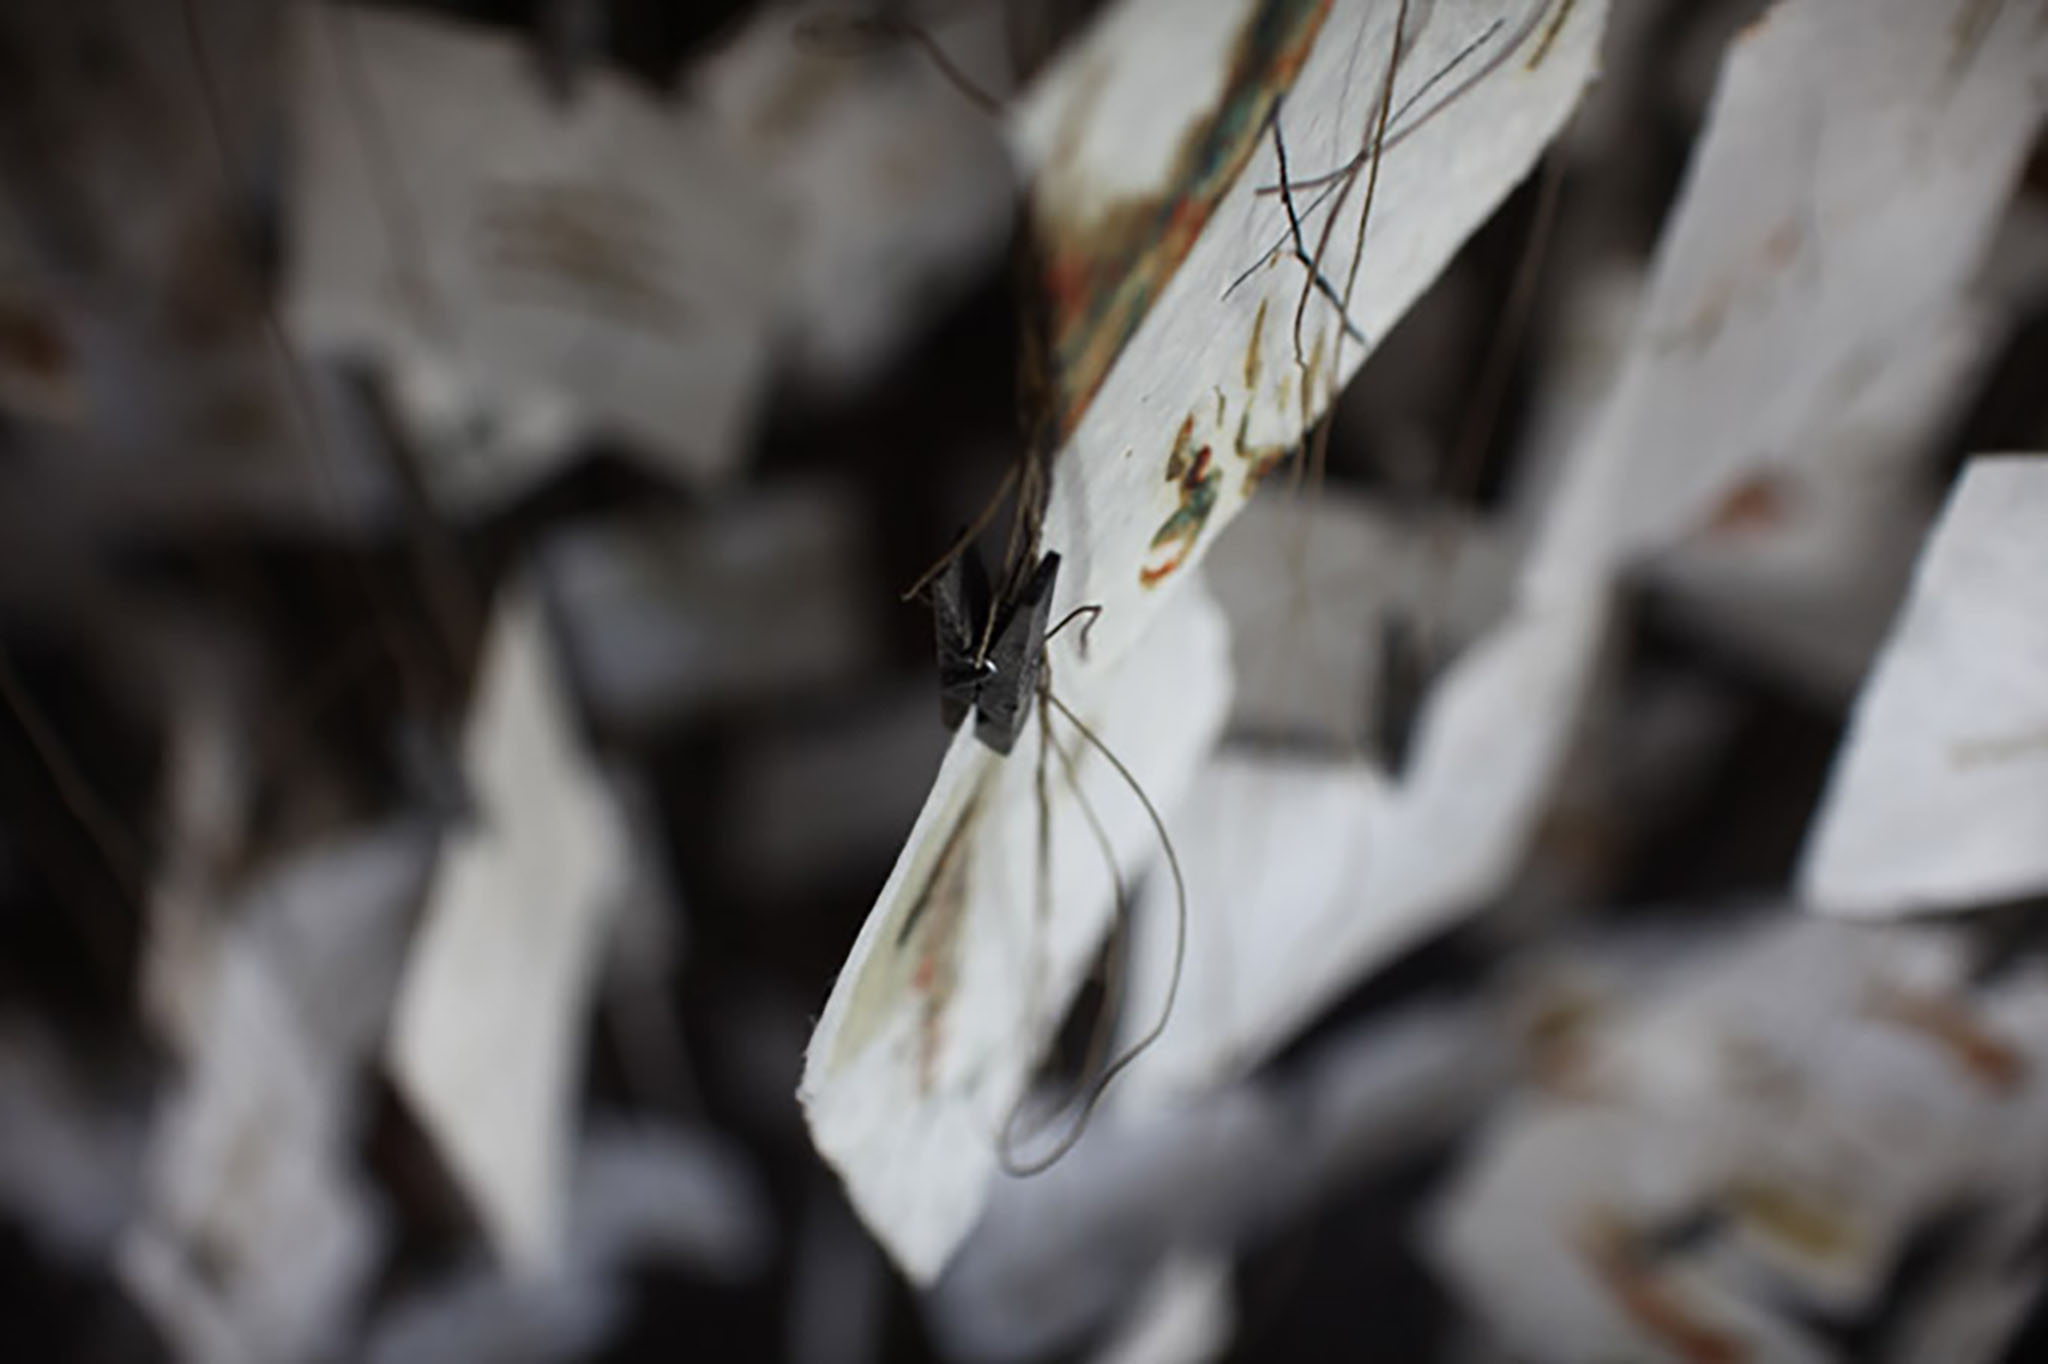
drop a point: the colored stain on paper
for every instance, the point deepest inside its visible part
(1101, 279)
(1192, 468)
(920, 958)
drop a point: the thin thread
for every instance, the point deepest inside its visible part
(1180, 941)
(1315, 273)
(1457, 92)
(1319, 442)
(1372, 183)
(1521, 306)
(825, 29)
(1375, 144)
(318, 449)
(1564, 12)
(966, 537)
(1112, 1004)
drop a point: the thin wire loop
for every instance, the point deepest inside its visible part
(1086, 1109)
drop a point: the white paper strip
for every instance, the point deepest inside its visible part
(257, 1240)
(898, 187)
(1939, 798)
(486, 1034)
(964, 968)
(1808, 1097)
(502, 248)
(1802, 564)
(1856, 159)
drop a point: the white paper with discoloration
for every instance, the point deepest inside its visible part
(538, 265)
(1809, 1095)
(1939, 798)
(963, 971)
(486, 1036)
(1803, 564)
(898, 186)
(258, 1239)
(254, 1239)
(1855, 162)
(1523, 1249)
(1210, 393)
(1206, 397)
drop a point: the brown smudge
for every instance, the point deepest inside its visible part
(1549, 38)
(1183, 525)
(1758, 503)
(938, 913)
(1986, 1058)
(1782, 247)
(1776, 253)
(1183, 450)
(1611, 1252)
(1977, 752)
(1263, 463)
(1251, 352)
(1261, 460)
(920, 959)
(1811, 1225)
(1312, 376)
(1558, 1041)
(589, 247)
(1704, 325)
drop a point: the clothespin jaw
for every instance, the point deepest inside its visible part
(959, 605)
(1018, 656)
(999, 685)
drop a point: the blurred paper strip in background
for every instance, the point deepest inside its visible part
(1940, 795)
